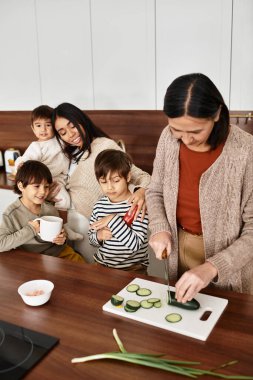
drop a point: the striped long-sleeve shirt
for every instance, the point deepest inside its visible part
(128, 245)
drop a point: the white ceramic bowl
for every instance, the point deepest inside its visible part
(36, 292)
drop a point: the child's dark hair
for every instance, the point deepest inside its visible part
(111, 160)
(41, 112)
(30, 172)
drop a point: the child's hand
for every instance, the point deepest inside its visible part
(61, 238)
(101, 223)
(35, 224)
(138, 198)
(104, 234)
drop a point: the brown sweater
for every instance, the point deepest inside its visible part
(226, 207)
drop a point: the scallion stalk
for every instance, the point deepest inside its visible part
(157, 361)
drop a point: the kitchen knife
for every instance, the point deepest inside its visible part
(165, 258)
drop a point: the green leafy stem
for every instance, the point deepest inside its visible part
(184, 368)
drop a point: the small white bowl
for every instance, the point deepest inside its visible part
(36, 292)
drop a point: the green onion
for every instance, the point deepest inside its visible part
(118, 341)
(156, 361)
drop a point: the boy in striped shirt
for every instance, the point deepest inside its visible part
(120, 245)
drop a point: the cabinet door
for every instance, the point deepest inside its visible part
(6, 198)
(64, 43)
(123, 44)
(19, 67)
(242, 56)
(193, 36)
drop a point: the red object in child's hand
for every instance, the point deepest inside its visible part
(129, 218)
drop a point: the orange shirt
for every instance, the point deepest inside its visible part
(191, 166)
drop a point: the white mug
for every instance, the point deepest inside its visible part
(50, 227)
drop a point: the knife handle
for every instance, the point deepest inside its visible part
(164, 254)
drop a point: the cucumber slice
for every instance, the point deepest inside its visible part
(116, 300)
(146, 305)
(189, 305)
(173, 318)
(143, 292)
(153, 300)
(133, 305)
(132, 288)
(129, 310)
(158, 304)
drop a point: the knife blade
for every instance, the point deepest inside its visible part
(165, 258)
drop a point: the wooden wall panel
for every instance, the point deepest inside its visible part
(140, 130)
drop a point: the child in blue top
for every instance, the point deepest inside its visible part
(120, 245)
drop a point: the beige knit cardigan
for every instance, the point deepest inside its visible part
(83, 186)
(226, 207)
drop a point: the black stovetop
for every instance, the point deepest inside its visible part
(21, 349)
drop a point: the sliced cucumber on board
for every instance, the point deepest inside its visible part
(143, 292)
(116, 300)
(146, 305)
(153, 300)
(158, 304)
(132, 288)
(129, 310)
(173, 317)
(133, 305)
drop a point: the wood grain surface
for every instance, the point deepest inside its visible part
(74, 314)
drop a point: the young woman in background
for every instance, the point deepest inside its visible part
(81, 142)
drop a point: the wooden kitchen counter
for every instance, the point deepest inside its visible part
(74, 314)
(5, 182)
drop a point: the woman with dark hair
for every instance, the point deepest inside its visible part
(200, 199)
(81, 142)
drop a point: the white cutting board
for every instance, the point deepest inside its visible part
(190, 324)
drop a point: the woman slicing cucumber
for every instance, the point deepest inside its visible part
(200, 199)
